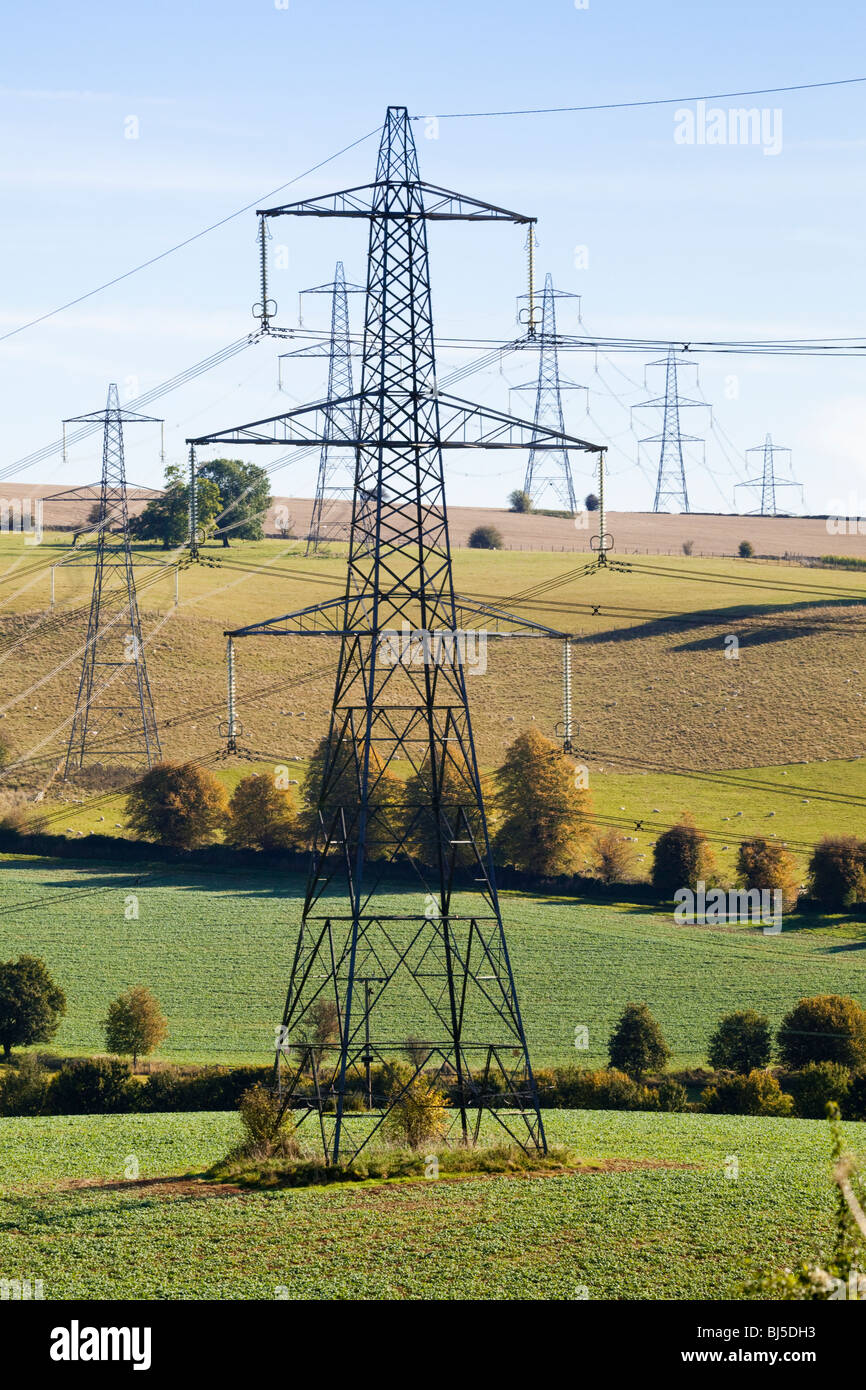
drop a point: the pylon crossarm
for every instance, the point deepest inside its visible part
(300, 623)
(362, 201)
(321, 620)
(527, 628)
(462, 425)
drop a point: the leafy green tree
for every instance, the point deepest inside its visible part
(261, 816)
(741, 1042)
(166, 518)
(486, 538)
(135, 1024)
(177, 804)
(31, 1004)
(637, 1044)
(519, 501)
(245, 495)
(681, 858)
(824, 1028)
(815, 1086)
(545, 813)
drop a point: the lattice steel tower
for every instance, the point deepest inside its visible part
(336, 476)
(387, 957)
(550, 470)
(114, 692)
(671, 481)
(768, 482)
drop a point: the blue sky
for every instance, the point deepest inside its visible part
(233, 99)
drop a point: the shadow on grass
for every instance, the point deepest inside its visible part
(722, 617)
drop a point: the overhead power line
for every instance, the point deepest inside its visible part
(651, 101)
(196, 236)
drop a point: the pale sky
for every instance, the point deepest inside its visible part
(227, 100)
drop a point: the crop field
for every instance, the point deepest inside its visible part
(657, 1219)
(216, 950)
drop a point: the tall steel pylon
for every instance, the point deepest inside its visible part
(551, 471)
(389, 959)
(768, 482)
(671, 482)
(336, 476)
(113, 692)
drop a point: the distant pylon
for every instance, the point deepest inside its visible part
(114, 692)
(336, 478)
(550, 470)
(768, 482)
(671, 482)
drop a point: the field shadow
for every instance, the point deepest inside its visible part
(265, 882)
(754, 637)
(718, 617)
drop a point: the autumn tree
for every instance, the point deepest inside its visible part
(545, 812)
(613, 856)
(177, 804)
(767, 865)
(316, 1031)
(31, 1004)
(426, 831)
(261, 815)
(135, 1024)
(385, 797)
(837, 872)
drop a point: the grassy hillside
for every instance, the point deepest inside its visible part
(657, 1220)
(216, 950)
(651, 679)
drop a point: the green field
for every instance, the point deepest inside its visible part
(216, 950)
(674, 1228)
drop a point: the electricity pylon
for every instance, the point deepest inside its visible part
(550, 470)
(375, 956)
(114, 692)
(671, 482)
(768, 482)
(336, 476)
